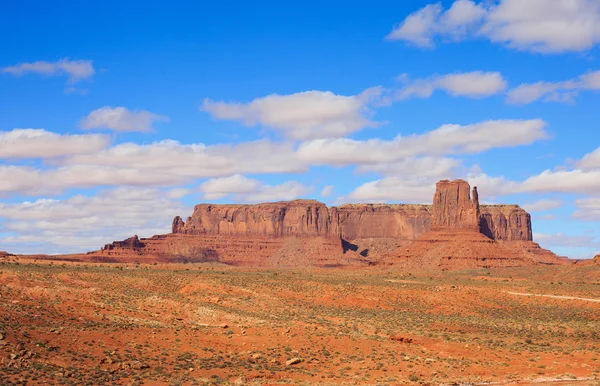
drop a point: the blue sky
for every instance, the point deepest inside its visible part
(116, 117)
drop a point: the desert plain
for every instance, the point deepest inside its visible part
(71, 323)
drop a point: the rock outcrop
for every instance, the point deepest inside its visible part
(130, 243)
(506, 222)
(454, 231)
(453, 207)
(298, 218)
(308, 218)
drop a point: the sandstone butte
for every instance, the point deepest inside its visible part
(456, 232)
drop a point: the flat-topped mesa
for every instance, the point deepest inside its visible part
(506, 222)
(130, 243)
(299, 218)
(453, 207)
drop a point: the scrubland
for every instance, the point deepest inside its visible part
(194, 324)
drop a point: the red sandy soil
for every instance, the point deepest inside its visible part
(187, 324)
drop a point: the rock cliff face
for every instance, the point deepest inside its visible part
(364, 221)
(453, 207)
(299, 218)
(454, 232)
(506, 222)
(130, 243)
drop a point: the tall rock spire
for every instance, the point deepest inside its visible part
(453, 207)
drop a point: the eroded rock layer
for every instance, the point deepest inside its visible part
(453, 232)
(308, 218)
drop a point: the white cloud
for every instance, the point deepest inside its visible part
(217, 188)
(564, 91)
(476, 84)
(165, 163)
(415, 190)
(77, 70)
(590, 161)
(243, 189)
(438, 167)
(327, 191)
(24, 179)
(82, 223)
(547, 26)
(179, 193)
(448, 139)
(121, 119)
(305, 115)
(542, 205)
(492, 186)
(286, 191)
(170, 163)
(196, 160)
(38, 143)
(563, 181)
(561, 240)
(546, 217)
(419, 27)
(588, 209)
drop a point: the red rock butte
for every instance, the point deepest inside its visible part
(453, 233)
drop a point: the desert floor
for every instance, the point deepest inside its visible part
(90, 324)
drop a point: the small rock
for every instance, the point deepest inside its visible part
(2, 336)
(224, 325)
(256, 356)
(293, 361)
(429, 360)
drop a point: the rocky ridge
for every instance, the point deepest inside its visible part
(453, 232)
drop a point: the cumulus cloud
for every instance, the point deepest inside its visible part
(305, 115)
(196, 160)
(588, 209)
(561, 240)
(76, 70)
(547, 26)
(564, 181)
(82, 223)
(121, 119)
(542, 205)
(237, 184)
(38, 143)
(438, 167)
(409, 180)
(413, 190)
(447, 139)
(590, 161)
(244, 189)
(564, 91)
(164, 163)
(476, 84)
(327, 191)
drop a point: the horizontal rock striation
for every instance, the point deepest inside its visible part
(453, 207)
(299, 218)
(456, 231)
(309, 218)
